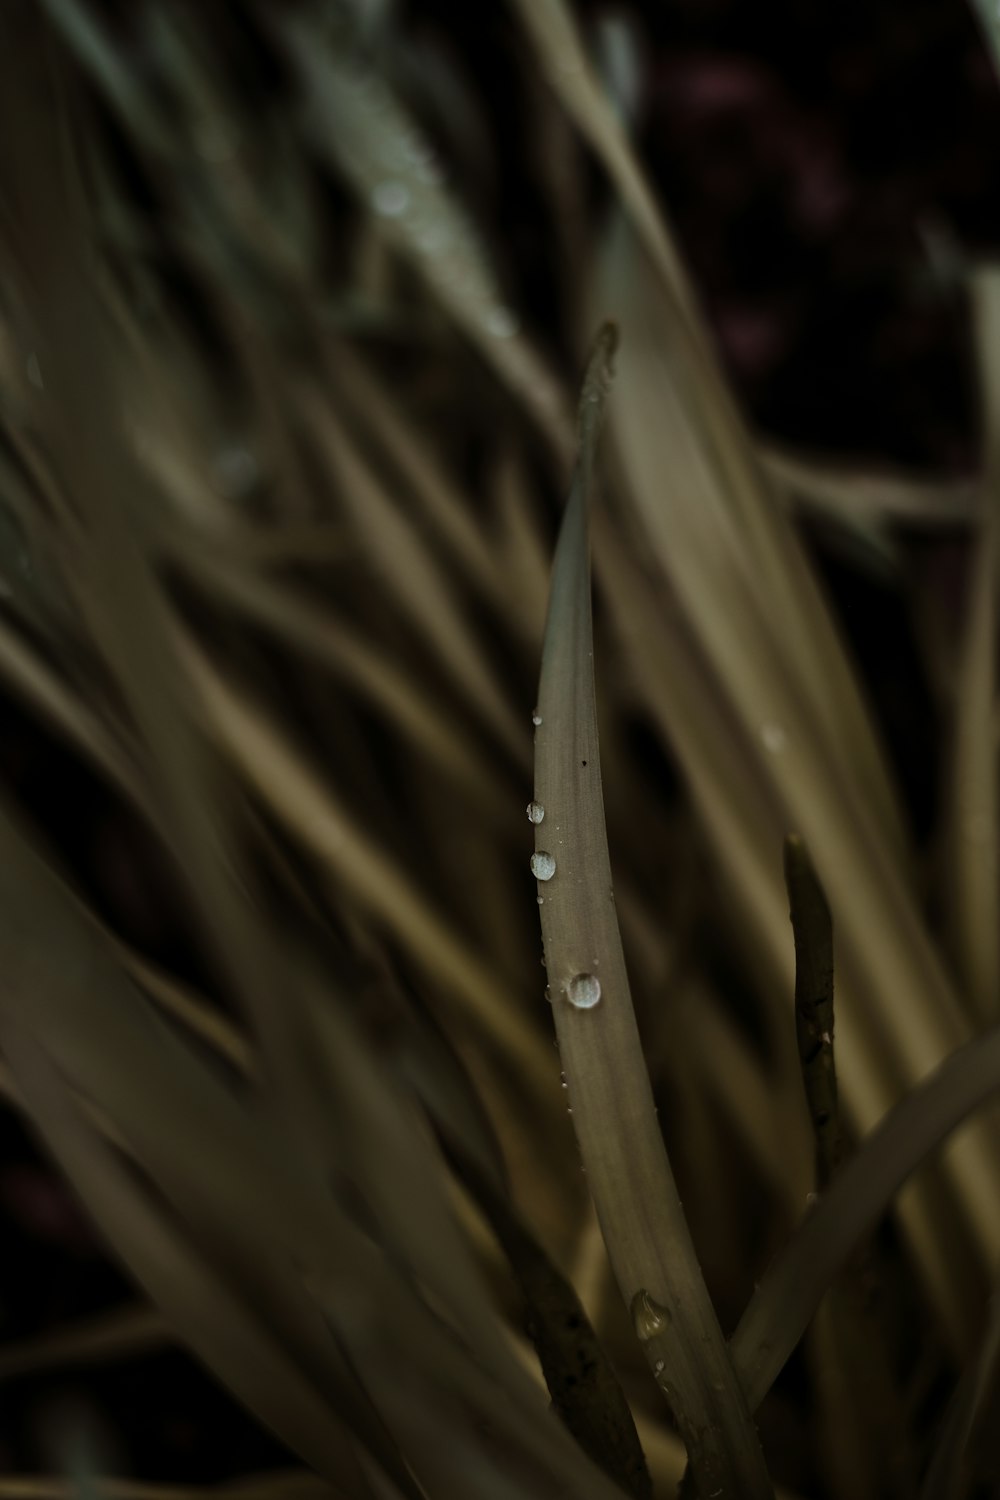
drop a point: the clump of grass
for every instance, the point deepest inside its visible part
(283, 466)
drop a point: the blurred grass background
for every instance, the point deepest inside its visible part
(294, 301)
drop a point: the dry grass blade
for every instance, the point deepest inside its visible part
(724, 455)
(321, 635)
(111, 1336)
(408, 567)
(354, 118)
(555, 37)
(309, 809)
(579, 1376)
(627, 1168)
(972, 885)
(852, 496)
(900, 1015)
(789, 1292)
(813, 931)
(945, 1477)
(224, 1333)
(291, 1484)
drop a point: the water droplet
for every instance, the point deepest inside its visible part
(390, 199)
(543, 866)
(536, 718)
(34, 372)
(649, 1318)
(562, 1080)
(540, 900)
(773, 738)
(536, 812)
(659, 1367)
(584, 991)
(501, 323)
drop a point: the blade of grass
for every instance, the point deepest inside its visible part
(127, 1331)
(813, 932)
(291, 1484)
(579, 1377)
(309, 809)
(826, 789)
(849, 495)
(197, 1302)
(353, 117)
(972, 875)
(628, 1172)
(771, 549)
(945, 1478)
(745, 825)
(791, 1288)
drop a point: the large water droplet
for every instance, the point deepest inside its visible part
(584, 991)
(773, 738)
(536, 718)
(536, 812)
(543, 866)
(390, 199)
(649, 1318)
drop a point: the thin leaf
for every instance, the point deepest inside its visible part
(972, 883)
(791, 1288)
(813, 932)
(946, 1477)
(628, 1172)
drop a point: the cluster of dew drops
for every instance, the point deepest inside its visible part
(583, 991)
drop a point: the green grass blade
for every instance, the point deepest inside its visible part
(628, 1172)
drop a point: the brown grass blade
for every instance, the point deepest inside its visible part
(627, 1168)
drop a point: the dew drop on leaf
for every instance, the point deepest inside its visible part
(648, 1316)
(543, 866)
(584, 991)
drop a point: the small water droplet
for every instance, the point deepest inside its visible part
(536, 812)
(540, 900)
(543, 866)
(659, 1367)
(548, 993)
(562, 1081)
(649, 1318)
(501, 323)
(390, 199)
(773, 738)
(584, 991)
(34, 372)
(536, 718)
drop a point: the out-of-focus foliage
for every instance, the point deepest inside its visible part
(284, 448)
